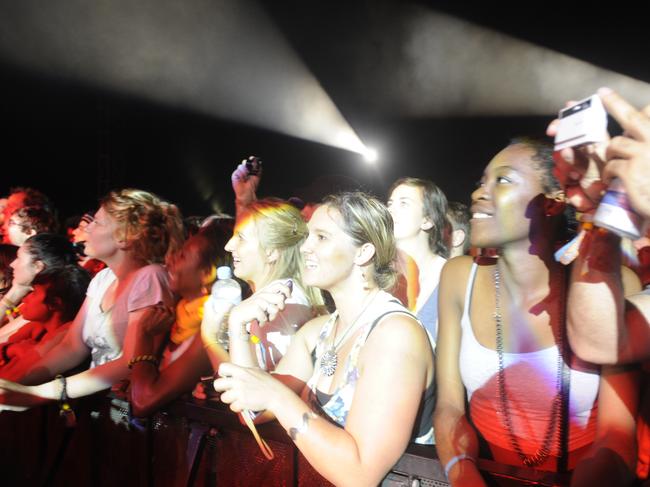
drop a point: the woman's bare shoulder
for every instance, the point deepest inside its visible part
(311, 329)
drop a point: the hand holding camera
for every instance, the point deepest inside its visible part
(245, 180)
(580, 133)
(581, 140)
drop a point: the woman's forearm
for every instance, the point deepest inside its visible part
(241, 348)
(330, 449)
(456, 438)
(152, 389)
(60, 358)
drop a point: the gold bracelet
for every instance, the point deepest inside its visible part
(143, 358)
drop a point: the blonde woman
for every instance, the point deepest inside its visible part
(265, 249)
(132, 232)
(357, 384)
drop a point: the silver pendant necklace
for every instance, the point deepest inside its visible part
(330, 360)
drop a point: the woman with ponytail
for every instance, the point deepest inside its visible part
(265, 249)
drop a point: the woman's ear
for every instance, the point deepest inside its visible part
(56, 306)
(40, 266)
(272, 255)
(365, 253)
(122, 243)
(426, 224)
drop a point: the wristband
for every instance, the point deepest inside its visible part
(455, 460)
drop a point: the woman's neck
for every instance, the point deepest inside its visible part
(526, 274)
(123, 265)
(417, 248)
(427, 273)
(53, 322)
(350, 299)
(258, 282)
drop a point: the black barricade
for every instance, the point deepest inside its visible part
(191, 443)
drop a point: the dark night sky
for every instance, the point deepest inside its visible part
(75, 140)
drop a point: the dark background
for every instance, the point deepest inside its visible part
(75, 140)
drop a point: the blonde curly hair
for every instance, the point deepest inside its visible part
(151, 227)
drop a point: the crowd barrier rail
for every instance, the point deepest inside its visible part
(190, 443)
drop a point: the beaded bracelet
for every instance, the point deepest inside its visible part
(143, 358)
(65, 410)
(12, 312)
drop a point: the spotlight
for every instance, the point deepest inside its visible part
(370, 155)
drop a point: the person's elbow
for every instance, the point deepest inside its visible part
(143, 399)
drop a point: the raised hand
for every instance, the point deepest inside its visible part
(628, 155)
(579, 172)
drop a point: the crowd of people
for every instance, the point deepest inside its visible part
(359, 325)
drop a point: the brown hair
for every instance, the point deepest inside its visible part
(367, 220)
(434, 208)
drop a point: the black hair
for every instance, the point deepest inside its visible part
(66, 289)
(51, 249)
(7, 256)
(217, 229)
(544, 163)
(459, 216)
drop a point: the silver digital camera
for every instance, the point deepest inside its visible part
(583, 123)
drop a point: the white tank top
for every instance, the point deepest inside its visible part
(531, 387)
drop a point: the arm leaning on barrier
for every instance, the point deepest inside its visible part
(364, 450)
(456, 439)
(66, 355)
(150, 388)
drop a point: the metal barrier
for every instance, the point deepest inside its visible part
(191, 443)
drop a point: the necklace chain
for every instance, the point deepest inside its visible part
(329, 360)
(544, 451)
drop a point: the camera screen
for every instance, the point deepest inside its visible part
(575, 108)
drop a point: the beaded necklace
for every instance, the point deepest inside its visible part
(543, 451)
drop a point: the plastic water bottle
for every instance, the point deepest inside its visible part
(615, 214)
(226, 293)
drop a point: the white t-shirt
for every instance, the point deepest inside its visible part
(104, 330)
